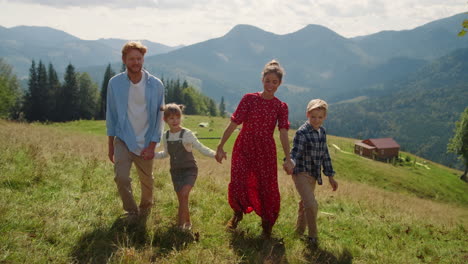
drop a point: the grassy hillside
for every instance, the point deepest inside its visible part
(58, 204)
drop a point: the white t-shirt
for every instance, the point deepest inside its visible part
(137, 112)
(188, 140)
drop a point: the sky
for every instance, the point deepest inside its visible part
(185, 22)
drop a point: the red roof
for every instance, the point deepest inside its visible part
(364, 145)
(384, 143)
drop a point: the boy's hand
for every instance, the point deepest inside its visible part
(333, 183)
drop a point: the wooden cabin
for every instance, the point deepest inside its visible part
(383, 149)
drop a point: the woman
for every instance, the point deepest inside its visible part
(254, 183)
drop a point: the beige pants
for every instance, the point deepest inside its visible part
(123, 159)
(308, 206)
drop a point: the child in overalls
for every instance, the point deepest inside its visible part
(178, 143)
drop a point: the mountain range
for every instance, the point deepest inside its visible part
(20, 45)
(318, 62)
(381, 68)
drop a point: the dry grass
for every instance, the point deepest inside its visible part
(59, 205)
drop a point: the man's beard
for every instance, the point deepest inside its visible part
(130, 69)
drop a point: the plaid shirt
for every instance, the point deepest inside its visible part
(310, 152)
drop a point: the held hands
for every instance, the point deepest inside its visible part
(147, 153)
(220, 155)
(333, 183)
(288, 166)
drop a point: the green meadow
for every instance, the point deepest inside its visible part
(59, 204)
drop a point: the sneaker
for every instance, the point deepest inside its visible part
(312, 242)
(186, 227)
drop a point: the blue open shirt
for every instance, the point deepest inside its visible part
(117, 121)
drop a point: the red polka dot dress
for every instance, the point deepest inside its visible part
(254, 183)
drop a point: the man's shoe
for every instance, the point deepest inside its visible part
(144, 212)
(130, 218)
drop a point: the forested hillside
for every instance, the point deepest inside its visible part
(419, 111)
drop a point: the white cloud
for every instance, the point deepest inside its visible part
(174, 22)
(341, 8)
(91, 3)
(160, 4)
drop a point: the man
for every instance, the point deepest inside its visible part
(134, 127)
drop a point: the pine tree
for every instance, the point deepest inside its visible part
(43, 97)
(195, 102)
(177, 95)
(88, 96)
(54, 93)
(103, 97)
(30, 104)
(70, 99)
(222, 108)
(167, 91)
(212, 109)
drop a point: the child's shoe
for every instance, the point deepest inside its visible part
(312, 242)
(187, 227)
(234, 221)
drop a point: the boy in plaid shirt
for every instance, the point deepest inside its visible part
(309, 154)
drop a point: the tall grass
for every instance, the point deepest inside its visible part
(58, 204)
